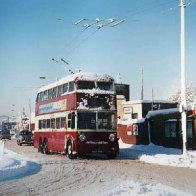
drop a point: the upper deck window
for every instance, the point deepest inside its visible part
(50, 94)
(45, 95)
(38, 97)
(107, 86)
(54, 92)
(71, 86)
(60, 90)
(42, 96)
(85, 85)
(65, 87)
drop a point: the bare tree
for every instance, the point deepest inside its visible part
(190, 96)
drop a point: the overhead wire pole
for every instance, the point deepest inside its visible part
(142, 90)
(183, 78)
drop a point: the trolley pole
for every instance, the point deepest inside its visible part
(183, 78)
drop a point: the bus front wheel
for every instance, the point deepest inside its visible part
(40, 149)
(112, 155)
(70, 150)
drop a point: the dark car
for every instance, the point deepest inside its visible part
(25, 137)
(5, 135)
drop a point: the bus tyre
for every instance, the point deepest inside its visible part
(45, 148)
(40, 149)
(70, 150)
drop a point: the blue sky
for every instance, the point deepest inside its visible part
(31, 36)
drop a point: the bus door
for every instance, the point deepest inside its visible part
(71, 133)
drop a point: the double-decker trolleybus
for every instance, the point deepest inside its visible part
(77, 115)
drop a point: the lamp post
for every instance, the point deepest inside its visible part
(30, 114)
(183, 78)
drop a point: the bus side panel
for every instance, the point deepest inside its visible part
(70, 104)
(56, 141)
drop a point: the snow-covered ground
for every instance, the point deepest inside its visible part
(158, 155)
(13, 166)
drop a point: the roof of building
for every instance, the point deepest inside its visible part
(148, 101)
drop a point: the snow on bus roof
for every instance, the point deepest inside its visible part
(82, 76)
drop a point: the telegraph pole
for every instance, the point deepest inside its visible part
(142, 90)
(30, 114)
(183, 77)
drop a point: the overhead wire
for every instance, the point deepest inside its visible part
(145, 8)
(84, 40)
(149, 7)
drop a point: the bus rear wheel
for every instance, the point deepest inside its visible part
(45, 147)
(70, 150)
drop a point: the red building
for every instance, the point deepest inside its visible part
(141, 125)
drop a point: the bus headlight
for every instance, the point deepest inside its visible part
(112, 137)
(82, 137)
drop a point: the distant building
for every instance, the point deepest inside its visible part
(122, 95)
(122, 89)
(138, 109)
(9, 126)
(140, 124)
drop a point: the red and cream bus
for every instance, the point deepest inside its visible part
(77, 115)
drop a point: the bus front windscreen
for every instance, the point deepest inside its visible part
(107, 86)
(86, 120)
(85, 85)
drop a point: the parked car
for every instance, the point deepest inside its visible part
(25, 137)
(5, 135)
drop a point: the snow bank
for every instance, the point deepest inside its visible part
(158, 155)
(13, 165)
(1, 149)
(137, 188)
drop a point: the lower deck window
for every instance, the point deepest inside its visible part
(53, 123)
(57, 123)
(63, 122)
(71, 120)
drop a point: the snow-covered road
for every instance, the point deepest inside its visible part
(57, 175)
